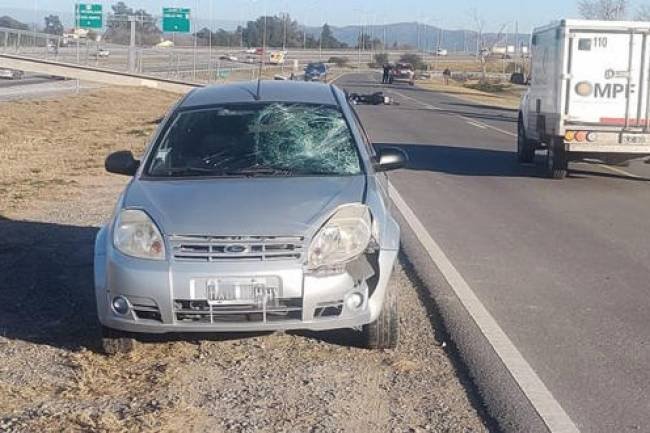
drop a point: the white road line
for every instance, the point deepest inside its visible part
(494, 128)
(476, 124)
(619, 171)
(467, 119)
(555, 418)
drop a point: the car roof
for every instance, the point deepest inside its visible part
(270, 91)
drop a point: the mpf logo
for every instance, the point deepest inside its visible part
(603, 91)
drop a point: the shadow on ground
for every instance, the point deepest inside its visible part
(466, 161)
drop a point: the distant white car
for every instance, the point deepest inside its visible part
(11, 74)
(229, 57)
(102, 53)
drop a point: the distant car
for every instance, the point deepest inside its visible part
(228, 57)
(316, 72)
(188, 251)
(11, 74)
(251, 51)
(402, 72)
(101, 53)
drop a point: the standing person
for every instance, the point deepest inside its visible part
(446, 75)
(384, 80)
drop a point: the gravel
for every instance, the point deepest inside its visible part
(54, 378)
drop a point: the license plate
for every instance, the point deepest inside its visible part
(240, 291)
(635, 139)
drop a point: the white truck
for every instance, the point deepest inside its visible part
(589, 94)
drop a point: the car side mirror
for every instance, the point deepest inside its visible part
(122, 162)
(390, 158)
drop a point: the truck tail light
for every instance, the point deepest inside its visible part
(570, 136)
(581, 136)
(592, 136)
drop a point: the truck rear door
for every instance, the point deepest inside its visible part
(606, 79)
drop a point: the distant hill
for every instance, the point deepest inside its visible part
(411, 33)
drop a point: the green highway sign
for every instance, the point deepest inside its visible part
(176, 20)
(88, 16)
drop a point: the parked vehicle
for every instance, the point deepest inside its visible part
(402, 72)
(316, 72)
(11, 74)
(589, 95)
(228, 57)
(253, 209)
(277, 57)
(102, 53)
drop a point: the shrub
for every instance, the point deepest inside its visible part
(339, 61)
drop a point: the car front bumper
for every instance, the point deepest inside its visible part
(160, 294)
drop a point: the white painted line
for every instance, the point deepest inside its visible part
(478, 125)
(417, 101)
(467, 119)
(494, 128)
(619, 171)
(555, 418)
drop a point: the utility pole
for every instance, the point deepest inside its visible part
(131, 61)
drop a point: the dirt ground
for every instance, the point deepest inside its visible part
(54, 195)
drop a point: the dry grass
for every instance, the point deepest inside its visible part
(509, 98)
(76, 132)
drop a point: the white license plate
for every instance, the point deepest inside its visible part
(635, 139)
(239, 291)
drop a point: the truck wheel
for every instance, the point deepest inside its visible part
(556, 161)
(115, 342)
(525, 149)
(384, 332)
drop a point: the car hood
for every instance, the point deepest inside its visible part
(243, 207)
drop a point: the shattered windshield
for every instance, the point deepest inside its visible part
(257, 140)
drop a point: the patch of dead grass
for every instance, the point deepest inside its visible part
(45, 143)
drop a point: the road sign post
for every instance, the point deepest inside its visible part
(89, 16)
(176, 20)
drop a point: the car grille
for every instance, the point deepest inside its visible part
(189, 311)
(229, 248)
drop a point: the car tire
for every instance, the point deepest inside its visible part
(116, 342)
(411, 83)
(383, 333)
(556, 161)
(525, 149)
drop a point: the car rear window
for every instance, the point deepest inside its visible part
(256, 139)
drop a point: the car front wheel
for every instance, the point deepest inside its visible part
(383, 333)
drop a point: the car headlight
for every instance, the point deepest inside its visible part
(344, 237)
(136, 235)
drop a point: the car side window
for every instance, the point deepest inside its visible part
(364, 134)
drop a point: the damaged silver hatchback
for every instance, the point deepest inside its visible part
(253, 209)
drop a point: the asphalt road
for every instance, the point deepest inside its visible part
(563, 266)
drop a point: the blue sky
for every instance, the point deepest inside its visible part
(448, 14)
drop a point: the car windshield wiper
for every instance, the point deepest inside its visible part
(260, 170)
(188, 170)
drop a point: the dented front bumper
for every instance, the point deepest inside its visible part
(163, 296)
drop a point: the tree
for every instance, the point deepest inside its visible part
(609, 10)
(53, 25)
(328, 39)
(118, 27)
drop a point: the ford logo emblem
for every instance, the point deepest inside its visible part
(235, 249)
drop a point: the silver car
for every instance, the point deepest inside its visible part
(254, 208)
